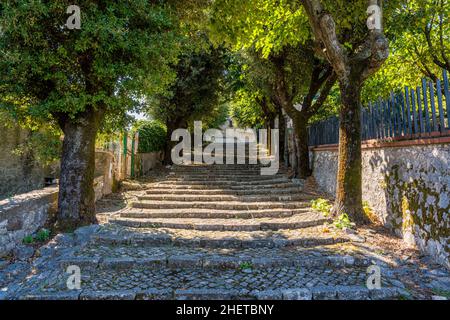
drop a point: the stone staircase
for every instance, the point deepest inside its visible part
(212, 232)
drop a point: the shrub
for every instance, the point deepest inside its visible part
(152, 136)
(28, 240)
(43, 235)
(343, 221)
(322, 205)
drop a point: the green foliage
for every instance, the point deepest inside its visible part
(246, 266)
(216, 117)
(122, 51)
(43, 141)
(45, 146)
(196, 90)
(265, 25)
(43, 235)
(442, 293)
(412, 55)
(28, 240)
(369, 212)
(322, 205)
(152, 135)
(343, 221)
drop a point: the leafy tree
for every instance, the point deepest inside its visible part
(419, 39)
(78, 78)
(194, 93)
(278, 32)
(355, 52)
(152, 135)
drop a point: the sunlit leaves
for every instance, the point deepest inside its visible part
(126, 48)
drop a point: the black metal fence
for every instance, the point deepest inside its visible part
(414, 113)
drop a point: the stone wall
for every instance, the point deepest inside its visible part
(148, 161)
(407, 186)
(19, 172)
(26, 213)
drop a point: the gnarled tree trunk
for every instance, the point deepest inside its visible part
(348, 187)
(76, 199)
(352, 69)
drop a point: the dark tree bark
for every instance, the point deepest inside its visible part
(322, 79)
(282, 134)
(172, 125)
(300, 124)
(169, 144)
(352, 69)
(76, 199)
(349, 184)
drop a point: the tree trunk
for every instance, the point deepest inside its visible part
(349, 185)
(300, 123)
(282, 135)
(76, 199)
(168, 146)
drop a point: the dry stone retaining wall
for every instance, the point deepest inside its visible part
(407, 187)
(26, 213)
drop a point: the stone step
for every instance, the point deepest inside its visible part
(112, 234)
(129, 256)
(219, 168)
(222, 205)
(289, 191)
(298, 221)
(210, 213)
(142, 283)
(229, 177)
(226, 182)
(237, 173)
(211, 198)
(201, 186)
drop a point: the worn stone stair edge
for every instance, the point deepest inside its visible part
(217, 243)
(315, 293)
(284, 185)
(242, 214)
(212, 261)
(217, 205)
(262, 226)
(212, 198)
(156, 191)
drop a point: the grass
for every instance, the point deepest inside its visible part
(42, 236)
(246, 266)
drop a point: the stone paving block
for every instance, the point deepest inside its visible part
(79, 261)
(108, 295)
(352, 293)
(221, 262)
(268, 295)
(67, 295)
(297, 294)
(384, 294)
(155, 294)
(185, 261)
(117, 263)
(153, 262)
(324, 293)
(202, 294)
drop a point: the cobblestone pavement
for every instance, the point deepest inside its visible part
(220, 232)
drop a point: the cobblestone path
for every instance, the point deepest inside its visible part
(222, 232)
